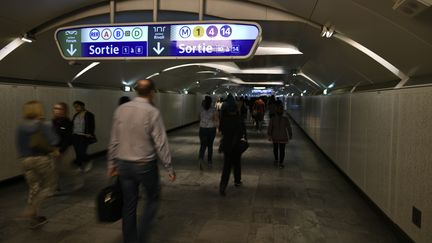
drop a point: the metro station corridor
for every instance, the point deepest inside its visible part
(307, 201)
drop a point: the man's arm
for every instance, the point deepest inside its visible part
(112, 148)
(160, 140)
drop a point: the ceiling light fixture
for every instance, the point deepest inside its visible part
(327, 31)
(274, 50)
(90, 66)
(10, 47)
(153, 75)
(29, 38)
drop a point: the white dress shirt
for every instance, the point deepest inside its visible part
(138, 134)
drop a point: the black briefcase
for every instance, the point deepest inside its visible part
(109, 203)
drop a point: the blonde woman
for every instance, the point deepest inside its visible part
(35, 144)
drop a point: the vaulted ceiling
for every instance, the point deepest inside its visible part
(403, 41)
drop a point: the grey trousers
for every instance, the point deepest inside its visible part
(41, 178)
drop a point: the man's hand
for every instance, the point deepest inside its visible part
(112, 172)
(172, 176)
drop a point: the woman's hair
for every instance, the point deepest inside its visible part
(78, 102)
(207, 102)
(33, 110)
(279, 106)
(64, 107)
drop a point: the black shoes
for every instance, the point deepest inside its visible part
(222, 193)
(237, 184)
(281, 166)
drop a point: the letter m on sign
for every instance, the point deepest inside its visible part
(185, 32)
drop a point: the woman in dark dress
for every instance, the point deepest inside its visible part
(233, 130)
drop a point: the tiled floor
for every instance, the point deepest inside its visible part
(307, 201)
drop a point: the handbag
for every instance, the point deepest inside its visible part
(242, 146)
(39, 143)
(109, 203)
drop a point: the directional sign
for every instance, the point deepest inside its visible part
(164, 40)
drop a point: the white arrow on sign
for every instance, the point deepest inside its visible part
(71, 50)
(159, 50)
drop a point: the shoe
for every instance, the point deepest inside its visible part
(222, 193)
(237, 184)
(281, 166)
(276, 163)
(88, 166)
(37, 222)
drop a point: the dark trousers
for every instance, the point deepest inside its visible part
(279, 152)
(132, 175)
(230, 160)
(80, 144)
(207, 136)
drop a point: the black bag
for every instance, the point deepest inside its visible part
(109, 203)
(242, 146)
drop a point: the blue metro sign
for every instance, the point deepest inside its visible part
(163, 40)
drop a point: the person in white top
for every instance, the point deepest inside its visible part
(209, 120)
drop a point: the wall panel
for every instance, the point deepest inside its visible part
(384, 146)
(413, 162)
(359, 115)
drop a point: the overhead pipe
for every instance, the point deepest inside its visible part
(201, 10)
(112, 11)
(155, 10)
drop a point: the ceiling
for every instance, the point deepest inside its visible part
(402, 40)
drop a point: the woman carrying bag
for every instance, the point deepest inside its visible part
(35, 145)
(279, 132)
(233, 131)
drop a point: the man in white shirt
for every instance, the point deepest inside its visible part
(138, 137)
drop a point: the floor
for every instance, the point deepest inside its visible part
(307, 201)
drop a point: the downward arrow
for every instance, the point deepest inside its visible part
(71, 50)
(159, 50)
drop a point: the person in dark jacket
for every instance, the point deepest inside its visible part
(233, 130)
(83, 134)
(279, 132)
(62, 125)
(35, 145)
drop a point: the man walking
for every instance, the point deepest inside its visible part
(138, 137)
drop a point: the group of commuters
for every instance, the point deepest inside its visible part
(229, 117)
(138, 140)
(41, 143)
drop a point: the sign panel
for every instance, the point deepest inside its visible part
(164, 40)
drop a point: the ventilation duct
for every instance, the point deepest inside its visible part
(412, 7)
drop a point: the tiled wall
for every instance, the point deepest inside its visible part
(176, 110)
(383, 142)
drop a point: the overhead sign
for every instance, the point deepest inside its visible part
(163, 40)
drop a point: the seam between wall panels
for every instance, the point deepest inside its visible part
(349, 134)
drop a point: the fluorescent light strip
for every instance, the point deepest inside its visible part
(93, 64)
(276, 70)
(230, 67)
(10, 47)
(273, 50)
(207, 72)
(258, 87)
(26, 39)
(153, 75)
(239, 81)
